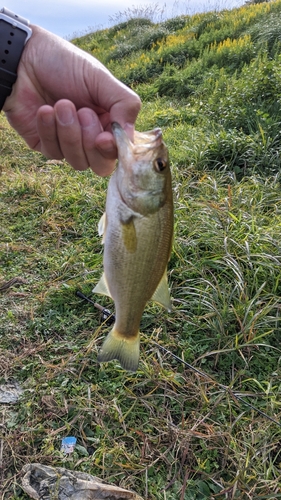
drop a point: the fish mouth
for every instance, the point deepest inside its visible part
(143, 141)
(146, 141)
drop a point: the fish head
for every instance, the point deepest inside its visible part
(143, 171)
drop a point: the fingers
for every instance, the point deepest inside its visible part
(69, 134)
(76, 136)
(98, 145)
(46, 126)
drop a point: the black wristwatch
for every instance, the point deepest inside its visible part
(14, 33)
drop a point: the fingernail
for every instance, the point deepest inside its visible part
(47, 119)
(65, 115)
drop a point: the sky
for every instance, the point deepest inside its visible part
(71, 18)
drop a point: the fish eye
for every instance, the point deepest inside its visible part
(159, 164)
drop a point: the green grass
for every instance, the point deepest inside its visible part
(201, 428)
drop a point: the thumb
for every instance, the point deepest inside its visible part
(125, 112)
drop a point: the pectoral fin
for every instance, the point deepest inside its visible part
(102, 287)
(129, 236)
(162, 294)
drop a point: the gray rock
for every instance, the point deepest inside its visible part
(10, 392)
(42, 482)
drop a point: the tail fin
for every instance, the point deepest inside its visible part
(126, 350)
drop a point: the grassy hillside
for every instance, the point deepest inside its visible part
(206, 423)
(212, 81)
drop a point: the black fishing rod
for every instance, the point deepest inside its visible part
(105, 313)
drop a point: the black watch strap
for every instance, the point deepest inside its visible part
(14, 33)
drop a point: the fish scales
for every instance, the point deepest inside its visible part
(137, 235)
(134, 279)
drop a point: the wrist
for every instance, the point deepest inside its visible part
(15, 31)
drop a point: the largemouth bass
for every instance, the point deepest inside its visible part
(137, 230)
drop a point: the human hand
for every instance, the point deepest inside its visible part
(64, 101)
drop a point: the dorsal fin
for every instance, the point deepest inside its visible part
(102, 226)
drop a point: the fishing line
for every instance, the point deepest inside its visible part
(109, 318)
(224, 387)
